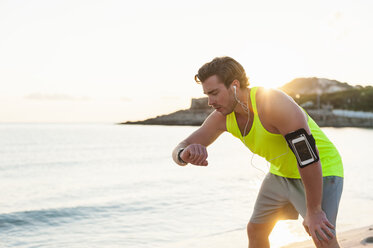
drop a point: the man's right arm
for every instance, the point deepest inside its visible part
(193, 149)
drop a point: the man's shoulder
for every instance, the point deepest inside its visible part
(268, 99)
(279, 111)
(266, 95)
(275, 107)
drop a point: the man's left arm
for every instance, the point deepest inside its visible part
(286, 116)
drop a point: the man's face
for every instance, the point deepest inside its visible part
(219, 97)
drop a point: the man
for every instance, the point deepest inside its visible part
(306, 173)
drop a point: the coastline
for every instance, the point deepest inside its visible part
(355, 238)
(199, 111)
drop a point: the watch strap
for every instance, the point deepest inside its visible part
(179, 158)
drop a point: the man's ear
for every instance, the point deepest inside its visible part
(236, 83)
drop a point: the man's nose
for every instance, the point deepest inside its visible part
(210, 101)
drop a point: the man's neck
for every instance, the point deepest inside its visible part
(244, 98)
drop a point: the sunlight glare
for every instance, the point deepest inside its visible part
(286, 232)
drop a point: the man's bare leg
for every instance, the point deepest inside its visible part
(258, 234)
(332, 243)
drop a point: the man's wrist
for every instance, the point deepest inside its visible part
(313, 209)
(179, 159)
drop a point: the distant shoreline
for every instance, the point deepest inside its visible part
(197, 113)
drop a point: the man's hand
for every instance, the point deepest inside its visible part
(317, 222)
(195, 154)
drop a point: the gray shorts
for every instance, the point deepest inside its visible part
(283, 198)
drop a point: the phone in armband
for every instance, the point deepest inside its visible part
(299, 142)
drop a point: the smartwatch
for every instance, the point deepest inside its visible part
(179, 158)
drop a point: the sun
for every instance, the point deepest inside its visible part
(272, 65)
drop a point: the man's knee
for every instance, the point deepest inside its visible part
(332, 243)
(250, 230)
(255, 231)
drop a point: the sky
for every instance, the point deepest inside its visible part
(114, 61)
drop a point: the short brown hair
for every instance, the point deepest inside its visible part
(226, 69)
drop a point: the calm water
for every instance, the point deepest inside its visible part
(116, 186)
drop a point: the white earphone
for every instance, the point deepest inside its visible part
(234, 86)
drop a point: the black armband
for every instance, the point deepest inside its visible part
(303, 146)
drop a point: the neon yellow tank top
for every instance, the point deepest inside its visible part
(274, 149)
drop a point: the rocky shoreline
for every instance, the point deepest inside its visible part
(199, 111)
(194, 116)
(329, 119)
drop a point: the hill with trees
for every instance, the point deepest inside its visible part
(313, 93)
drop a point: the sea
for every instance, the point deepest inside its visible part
(106, 185)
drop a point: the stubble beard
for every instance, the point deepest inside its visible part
(231, 106)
